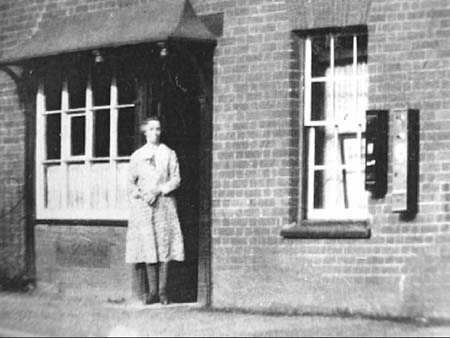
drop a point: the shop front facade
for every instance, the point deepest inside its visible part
(312, 138)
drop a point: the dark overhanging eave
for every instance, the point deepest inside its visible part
(22, 61)
(161, 20)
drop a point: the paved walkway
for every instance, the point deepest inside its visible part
(34, 315)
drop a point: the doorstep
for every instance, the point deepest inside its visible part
(137, 305)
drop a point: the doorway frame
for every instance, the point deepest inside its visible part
(201, 56)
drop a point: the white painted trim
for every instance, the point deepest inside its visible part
(338, 214)
(77, 214)
(336, 78)
(114, 116)
(89, 144)
(308, 67)
(333, 86)
(311, 158)
(40, 148)
(65, 141)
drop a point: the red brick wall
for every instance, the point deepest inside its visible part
(404, 268)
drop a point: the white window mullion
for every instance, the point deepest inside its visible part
(40, 149)
(308, 67)
(89, 144)
(332, 76)
(311, 171)
(113, 142)
(355, 80)
(65, 144)
(307, 122)
(335, 159)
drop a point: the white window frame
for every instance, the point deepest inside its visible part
(66, 159)
(309, 128)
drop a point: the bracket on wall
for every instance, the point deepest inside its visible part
(9, 70)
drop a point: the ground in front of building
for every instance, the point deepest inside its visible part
(42, 315)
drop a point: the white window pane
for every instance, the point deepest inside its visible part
(351, 150)
(53, 181)
(121, 186)
(349, 188)
(341, 189)
(77, 187)
(344, 100)
(101, 185)
(363, 91)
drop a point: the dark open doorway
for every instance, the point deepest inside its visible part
(178, 89)
(182, 133)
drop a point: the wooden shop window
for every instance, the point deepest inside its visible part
(85, 134)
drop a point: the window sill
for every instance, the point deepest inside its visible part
(308, 229)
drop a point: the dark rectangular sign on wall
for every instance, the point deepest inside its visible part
(376, 152)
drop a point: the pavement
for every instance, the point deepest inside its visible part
(33, 315)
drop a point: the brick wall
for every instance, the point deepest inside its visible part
(12, 225)
(409, 63)
(404, 268)
(83, 261)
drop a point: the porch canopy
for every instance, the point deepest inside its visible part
(160, 20)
